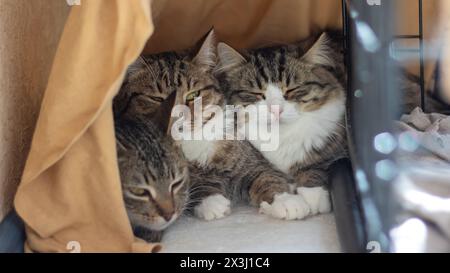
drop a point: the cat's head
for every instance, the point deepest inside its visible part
(299, 79)
(153, 170)
(151, 78)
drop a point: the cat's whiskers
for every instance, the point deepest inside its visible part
(194, 190)
(324, 119)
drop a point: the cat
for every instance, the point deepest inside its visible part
(221, 172)
(307, 84)
(154, 173)
(307, 81)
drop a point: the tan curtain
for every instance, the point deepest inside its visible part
(70, 195)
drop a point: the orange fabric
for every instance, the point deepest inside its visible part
(70, 190)
(242, 24)
(444, 33)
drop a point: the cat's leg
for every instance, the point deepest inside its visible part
(213, 207)
(273, 195)
(208, 193)
(311, 185)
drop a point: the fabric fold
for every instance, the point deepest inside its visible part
(70, 192)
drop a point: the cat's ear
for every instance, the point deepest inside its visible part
(206, 57)
(162, 116)
(140, 65)
(320, 52)
(228, 57)
(136, 65)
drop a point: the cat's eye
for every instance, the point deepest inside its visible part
(315, 83)
(176, 185)
(310, 100)
(191, 96)
(138, 191)
(259, 95)
(250, 96)
(157, 99)
(292, 89)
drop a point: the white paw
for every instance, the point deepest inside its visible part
(286, 206)
(318, 199)
(213, 207)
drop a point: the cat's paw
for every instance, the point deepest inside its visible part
(318, 199)
(213, 207)
(286, 206)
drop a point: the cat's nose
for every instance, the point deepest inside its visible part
(167, 211)
(276, 110)
(167, 215)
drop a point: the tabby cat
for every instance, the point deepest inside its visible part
(220, 171)
(153, 171)
(223, 171)
(306, 82)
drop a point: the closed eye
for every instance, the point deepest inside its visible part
(293, 89)
(251, 97)
(157, 99)
(310, 83)
(246, 92)
(314, 83)
(258, 95)
(175, 186)
(309, 100)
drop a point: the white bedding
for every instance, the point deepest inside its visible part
(247, 231)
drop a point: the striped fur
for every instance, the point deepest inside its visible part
(153, 77)
(238, 172)
(307, 82)
(154, 172)
(233, 170)
(148, 158)
(154, 176)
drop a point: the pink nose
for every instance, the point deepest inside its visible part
(276, 110)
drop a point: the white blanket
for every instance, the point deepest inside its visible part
(247, 231)
(423, 186)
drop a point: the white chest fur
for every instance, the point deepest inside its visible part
(203, 144)
(200, 151)
(309, 131)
